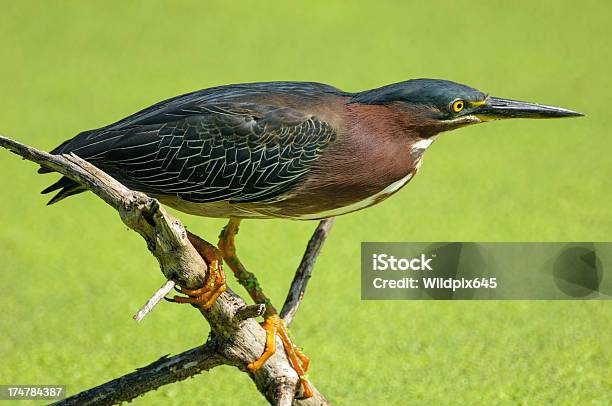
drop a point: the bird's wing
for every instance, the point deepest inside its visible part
(240, 152)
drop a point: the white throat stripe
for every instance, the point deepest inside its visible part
(423, 144)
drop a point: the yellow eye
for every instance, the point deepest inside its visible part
(458, 105)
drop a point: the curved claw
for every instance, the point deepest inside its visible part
(204, 297)
(273, 325)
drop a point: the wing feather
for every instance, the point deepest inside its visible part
(241, 152)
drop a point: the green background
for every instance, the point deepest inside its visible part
(72, 275)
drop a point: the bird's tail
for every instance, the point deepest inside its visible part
(66, 186)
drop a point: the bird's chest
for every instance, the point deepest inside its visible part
(363, 202)
(354, 185)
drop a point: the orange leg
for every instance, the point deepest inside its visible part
(272, 324)
(214, 284)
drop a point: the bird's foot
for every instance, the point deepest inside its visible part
(274, 326)
(214, 284)
(203, 298)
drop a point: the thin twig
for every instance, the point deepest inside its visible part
(304, 270)
(154, 300)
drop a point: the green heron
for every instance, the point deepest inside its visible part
(294, 150)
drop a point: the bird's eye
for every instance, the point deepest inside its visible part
(458, 105)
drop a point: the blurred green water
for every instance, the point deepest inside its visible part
(72, 275)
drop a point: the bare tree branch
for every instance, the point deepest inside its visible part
(165, 236)
(161, 372)
(236, 338)
(304, 270)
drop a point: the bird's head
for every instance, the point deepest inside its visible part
(433, 105)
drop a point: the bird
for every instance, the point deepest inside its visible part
(289, 150)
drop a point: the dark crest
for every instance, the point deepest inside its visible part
(420, 91)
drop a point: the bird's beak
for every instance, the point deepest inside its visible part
(494, 108)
